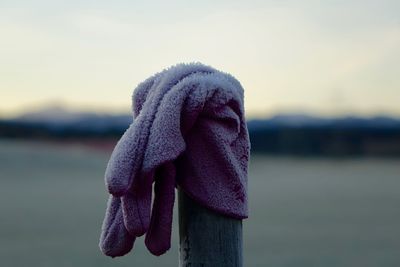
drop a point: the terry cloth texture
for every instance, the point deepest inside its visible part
(188, 130)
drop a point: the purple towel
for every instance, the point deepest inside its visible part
(189, 130)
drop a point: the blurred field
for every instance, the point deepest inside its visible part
(304, 212)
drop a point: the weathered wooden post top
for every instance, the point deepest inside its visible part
(188, 132)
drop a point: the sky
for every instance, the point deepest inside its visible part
(322, 57)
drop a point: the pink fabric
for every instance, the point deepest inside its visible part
(189, 130)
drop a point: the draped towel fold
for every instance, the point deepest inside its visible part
(189, 130)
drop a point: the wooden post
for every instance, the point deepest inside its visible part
(206, 238)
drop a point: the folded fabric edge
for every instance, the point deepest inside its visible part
(239, 216)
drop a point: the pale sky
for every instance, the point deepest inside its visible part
(323, 57)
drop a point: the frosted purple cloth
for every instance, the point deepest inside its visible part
(189, 129)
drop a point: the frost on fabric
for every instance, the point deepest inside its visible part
(189, 129)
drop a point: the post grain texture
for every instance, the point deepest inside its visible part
(206, 238)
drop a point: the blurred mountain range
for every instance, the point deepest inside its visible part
(300, 120)
(60, 117)
(297, 134)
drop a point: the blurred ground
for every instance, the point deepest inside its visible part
(304, 211)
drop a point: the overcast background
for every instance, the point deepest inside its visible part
(325, 57)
